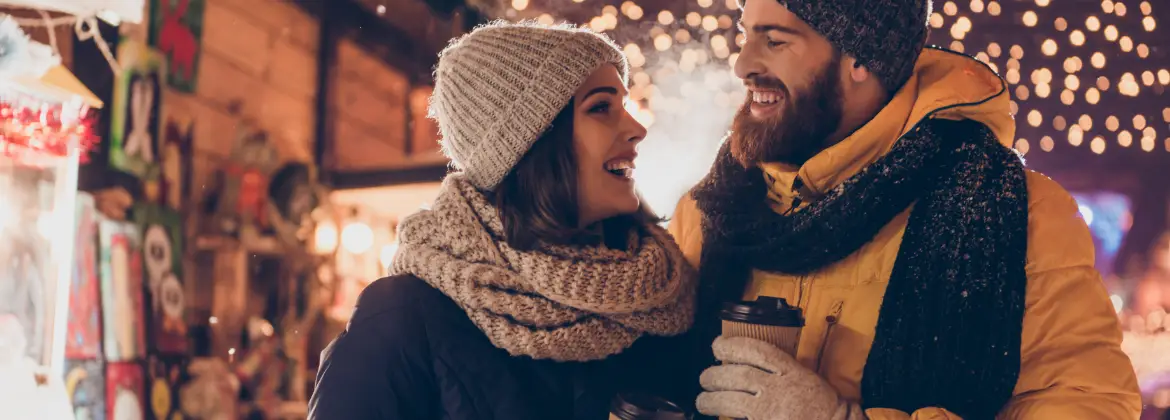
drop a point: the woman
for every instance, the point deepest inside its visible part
(536, 263)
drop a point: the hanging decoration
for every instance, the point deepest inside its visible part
(162, 249)
(175, 163)
(83, 336)
(86, 386)
(137, 95)
(176, 30)
(241, 201)
(44, 110)
(125, 391)
(165, 374)
(121, 284)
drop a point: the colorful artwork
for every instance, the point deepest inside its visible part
(162, 254)
(165, 375)
(134, 128)
(120, 262)
(83, 333)
(86, 386)
(174, 181)
(176, 30)
(243, 199)
(125, 391)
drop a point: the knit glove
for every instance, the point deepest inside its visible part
(758, 381)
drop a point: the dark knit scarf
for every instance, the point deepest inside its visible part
(948, 333)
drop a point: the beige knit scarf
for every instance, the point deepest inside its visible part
(560, 302)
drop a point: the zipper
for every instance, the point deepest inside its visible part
(830, 322)
(802, 284)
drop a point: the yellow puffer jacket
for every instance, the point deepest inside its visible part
(1072, 367)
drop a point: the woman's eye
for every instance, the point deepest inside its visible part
(600, 108)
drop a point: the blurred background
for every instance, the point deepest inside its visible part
(203, 187)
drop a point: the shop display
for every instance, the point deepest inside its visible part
(45, 130)
(134, 126)
(162, 255)
(85, 384)
(213, 391)
(176, 28)
(121, 284)
(164, 376)
(125, 391)
(241, 199)
(83, 335)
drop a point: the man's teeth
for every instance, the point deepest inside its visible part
(765, 97)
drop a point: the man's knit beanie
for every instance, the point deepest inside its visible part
(885, 36)
(498, 88)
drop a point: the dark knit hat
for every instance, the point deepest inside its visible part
(885, 36)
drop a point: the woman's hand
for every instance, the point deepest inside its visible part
(758, 381)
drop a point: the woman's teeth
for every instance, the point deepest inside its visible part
(765, 97)
(620, 167)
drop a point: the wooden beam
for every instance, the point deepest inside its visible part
(366, 179)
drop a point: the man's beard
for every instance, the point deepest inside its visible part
(800, 131)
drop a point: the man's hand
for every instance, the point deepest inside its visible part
(758, 381)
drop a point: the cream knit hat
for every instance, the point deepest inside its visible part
(498, 88)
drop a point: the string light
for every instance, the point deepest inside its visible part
(1102, 57)
(34, 130)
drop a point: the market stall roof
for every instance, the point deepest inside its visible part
(58, 84)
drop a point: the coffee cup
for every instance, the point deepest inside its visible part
(767, 319)
(634, 406)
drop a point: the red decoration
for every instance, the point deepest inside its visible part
(176, 39)
(33, 130)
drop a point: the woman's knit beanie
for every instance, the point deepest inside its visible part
(498, 88)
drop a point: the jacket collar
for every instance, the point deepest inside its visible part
(945, 84)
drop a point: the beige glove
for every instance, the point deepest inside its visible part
(758, 381)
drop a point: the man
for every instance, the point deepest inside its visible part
(870, 182)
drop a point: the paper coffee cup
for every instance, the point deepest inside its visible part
(645, 407)
(767, 319)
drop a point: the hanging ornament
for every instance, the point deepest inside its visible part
(31, 130)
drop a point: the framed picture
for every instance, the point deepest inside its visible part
(83, 332)
(177, 31)
(162, 256)
(125, 391)
(164, 375)
(85, 383)
(120, 253)
(134, 125)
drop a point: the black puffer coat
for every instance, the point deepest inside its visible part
(409, 352)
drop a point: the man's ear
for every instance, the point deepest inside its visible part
(857, 72)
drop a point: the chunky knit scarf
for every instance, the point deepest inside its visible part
(565, 303)
(948, 333)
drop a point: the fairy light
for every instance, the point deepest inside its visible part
(1093, 61)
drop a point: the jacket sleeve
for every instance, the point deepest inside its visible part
(1072, 366)
(374, 370)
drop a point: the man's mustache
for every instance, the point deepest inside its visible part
(765, 82)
